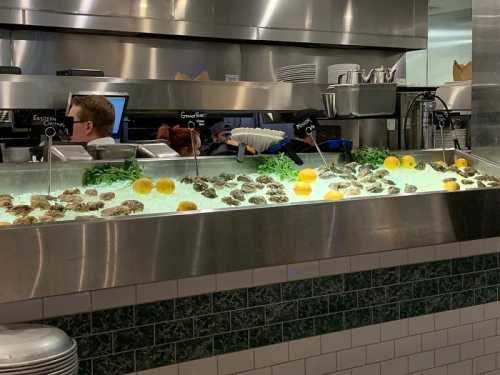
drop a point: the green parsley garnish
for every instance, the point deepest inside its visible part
(107, 173)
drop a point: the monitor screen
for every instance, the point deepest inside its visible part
(118, 100)
(119, 103)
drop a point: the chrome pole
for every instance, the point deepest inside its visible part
(309, 132)
(49, 133)
(191, 127)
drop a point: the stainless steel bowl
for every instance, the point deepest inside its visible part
(23, 345)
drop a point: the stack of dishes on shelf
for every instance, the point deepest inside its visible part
(336, 71)
(303, 73)
(36, 350)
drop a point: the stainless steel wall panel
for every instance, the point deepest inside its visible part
(282, 14)
(11, 16)
(390, 17)
(485, 129)
(116, 8)
(46, 52)
(421, 18)
(195, 10)
(397, 24)
(5, 48)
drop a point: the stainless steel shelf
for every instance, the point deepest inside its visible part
(49, 92)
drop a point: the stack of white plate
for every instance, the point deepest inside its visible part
(260, 139)
(335, 71)
(303, 73)
(36, 350)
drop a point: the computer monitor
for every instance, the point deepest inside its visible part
(119, 100)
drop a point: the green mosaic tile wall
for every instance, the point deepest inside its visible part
(135, 338)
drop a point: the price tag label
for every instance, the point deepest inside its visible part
(198, 117)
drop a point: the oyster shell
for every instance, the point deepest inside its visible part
(469, 171)
(482, 178)
(41, 201)
(326, 174)
(339, 185)
(116, 211)
(381, 173)
(57, 207)
(244, 179)
(480, 185)
(370, 179)
(257, 200)
(420, 166)
(410, 189)
(388, 182)
(264, 179)
(109, 196)
(188, 180)
(493, 184)
(273, 192)
(6, 203)
(200, 186)
(276, 185)
(279, 199)
(219, 184)
(467, 182)
(393, 190)
(364, 171)
(438, 167)
(230, 201)
(227, 176)
(239, 195)
(78, 207)
(91, 192)
(20, 210)
(133, 205)
(70, 198)
(375, 188)
(209, 193)
(54, 214)
(249, 187)
(74, 191)
(26, 220)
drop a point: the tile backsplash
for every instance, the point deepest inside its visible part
(143, 336)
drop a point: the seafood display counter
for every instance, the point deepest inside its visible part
(113, 224)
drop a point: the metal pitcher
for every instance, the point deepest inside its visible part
(382, 75)
(354, 77)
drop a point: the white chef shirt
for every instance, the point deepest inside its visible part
(102, 141)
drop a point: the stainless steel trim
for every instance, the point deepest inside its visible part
(37, 92)
(60, 258)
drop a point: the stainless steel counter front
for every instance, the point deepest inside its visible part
(67, 257)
